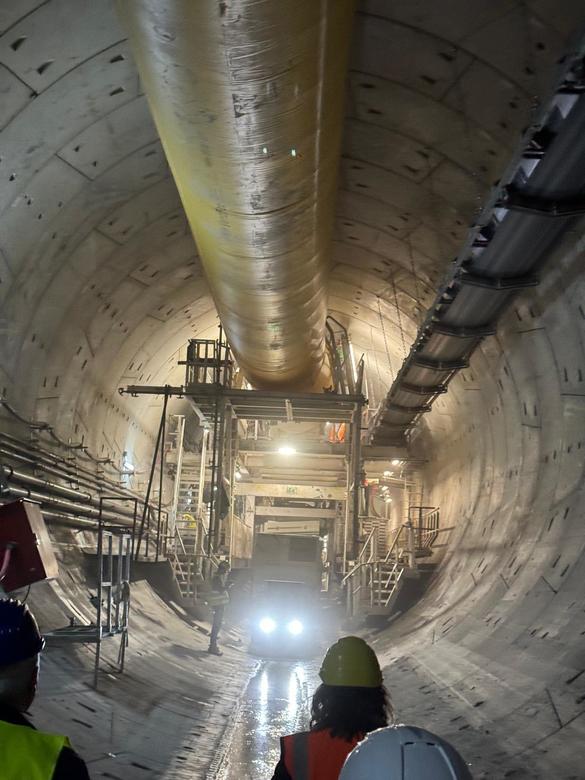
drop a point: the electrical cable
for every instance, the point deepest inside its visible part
(43, 426)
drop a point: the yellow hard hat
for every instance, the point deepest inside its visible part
(351, 662)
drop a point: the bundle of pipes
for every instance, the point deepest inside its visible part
(78, 506)
(248, 100)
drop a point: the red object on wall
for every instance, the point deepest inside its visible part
(24, 533)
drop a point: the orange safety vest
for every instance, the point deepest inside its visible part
(315, 755)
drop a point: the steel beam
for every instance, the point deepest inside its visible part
(281, 490)
(295, 512)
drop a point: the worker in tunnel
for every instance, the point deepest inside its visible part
(218, 600)
(25, 752)
(351, 702)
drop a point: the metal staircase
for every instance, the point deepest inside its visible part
(376, 525)
(375, 579)
(188, 551)
(190, 558)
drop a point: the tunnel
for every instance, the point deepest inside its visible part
(299, 287)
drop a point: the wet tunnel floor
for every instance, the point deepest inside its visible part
(276, 702)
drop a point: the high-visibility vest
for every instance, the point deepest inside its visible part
(26, 753)
(215, 599)
(315, 755)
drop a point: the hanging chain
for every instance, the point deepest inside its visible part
(399, 316)
(385, 339)
(417, 293)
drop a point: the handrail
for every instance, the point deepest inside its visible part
(397, 532)
(366, 543)
(351, 572)
(180, 538)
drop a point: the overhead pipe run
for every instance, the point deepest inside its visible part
(538, 199)
(248, 97)
(43, 460)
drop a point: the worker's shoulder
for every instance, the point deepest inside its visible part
(70, 766)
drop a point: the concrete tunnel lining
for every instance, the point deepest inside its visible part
(101, 285)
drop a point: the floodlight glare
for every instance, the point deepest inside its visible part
(286, 449)
(295, 627)
(396, 462)
(267, 625)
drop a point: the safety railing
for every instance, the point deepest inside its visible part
(428, 529)
(208, 362)
(374, 580)
(191, 561)
(112, 599)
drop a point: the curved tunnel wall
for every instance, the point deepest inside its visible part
(104, 287)
(503, 622)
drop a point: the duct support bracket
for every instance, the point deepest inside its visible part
(499, 282)
(439, 365)
(462, 332)
(542, 207)
(423, 389)
(393, 407)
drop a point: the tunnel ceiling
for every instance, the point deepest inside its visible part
(99, 276)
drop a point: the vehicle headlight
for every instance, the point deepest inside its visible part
(295, 627)
(267, 625)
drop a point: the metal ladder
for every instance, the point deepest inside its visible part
(190, 560)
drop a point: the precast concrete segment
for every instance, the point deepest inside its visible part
(493, 655)
(248, 101)
(166, 715)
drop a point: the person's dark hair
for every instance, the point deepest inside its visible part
(350, 712)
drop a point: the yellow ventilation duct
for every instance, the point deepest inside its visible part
(247, 96)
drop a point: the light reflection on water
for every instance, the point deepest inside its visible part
(276, 703)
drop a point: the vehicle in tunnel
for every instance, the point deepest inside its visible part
(285, 620)
(286, 556)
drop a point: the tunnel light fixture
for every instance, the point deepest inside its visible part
(286, 449)
(267, 625)
(293, 152)
(264, 150)
(388, 473)
(238, 475)
(295, 627)
(396, 462)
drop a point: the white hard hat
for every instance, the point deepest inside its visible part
(404, 753)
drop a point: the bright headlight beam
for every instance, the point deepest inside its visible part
(267, 625)
(286, 450)
(295, 627)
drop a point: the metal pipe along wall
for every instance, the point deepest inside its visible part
(248, 97)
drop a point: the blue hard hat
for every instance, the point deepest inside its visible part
(20, 637)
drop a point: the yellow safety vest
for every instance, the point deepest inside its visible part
(26, 753)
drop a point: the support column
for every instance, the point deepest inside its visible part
(217, 476)
(202, 465)
(356, 474)
(177, 487)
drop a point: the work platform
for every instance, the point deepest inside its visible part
(259, 404)
(213, 386)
